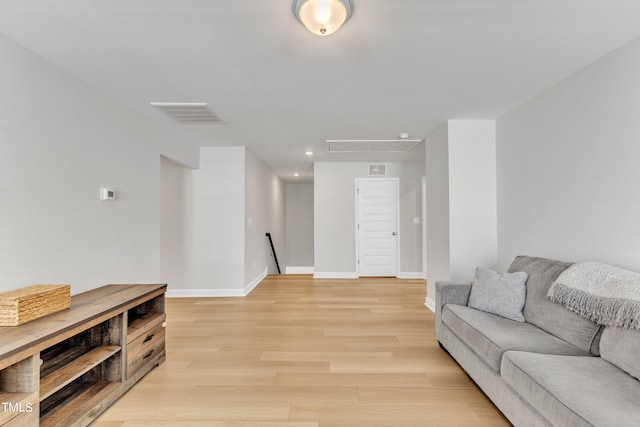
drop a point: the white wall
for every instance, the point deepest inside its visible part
(60, 141)
(264, 212)
(173, 222)
(472, 197)
(214, 221)
(410, 175)
(461, 201)
(214, 230)
(568, 168)
(437, 183)
(334, 216)
(299, 224)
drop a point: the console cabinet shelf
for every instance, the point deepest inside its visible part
(65, 369)
(79, 366)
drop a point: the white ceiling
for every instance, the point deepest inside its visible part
(396, 66)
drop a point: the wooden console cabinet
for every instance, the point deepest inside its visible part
(65, 369)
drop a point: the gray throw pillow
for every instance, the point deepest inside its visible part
(503, 294)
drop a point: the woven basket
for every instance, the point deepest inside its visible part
(26, 304)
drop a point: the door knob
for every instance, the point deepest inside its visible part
(394, 233)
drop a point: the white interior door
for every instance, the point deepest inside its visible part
(377, 227)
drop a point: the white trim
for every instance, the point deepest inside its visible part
(410, 275)
(431, 305)
(424, 227)
(398, 227)
(330, 275)
(298, 270)
(357, 226)
(217, 293)
(256, 281)
(204, 293)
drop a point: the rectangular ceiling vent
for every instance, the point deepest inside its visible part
(189, 112)
(378, 170)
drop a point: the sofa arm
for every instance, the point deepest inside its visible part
(450, 293)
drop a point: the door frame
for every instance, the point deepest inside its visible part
(424, 227)
(357, 220)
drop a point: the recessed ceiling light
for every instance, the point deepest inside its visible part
(296, 174)
(309, 153)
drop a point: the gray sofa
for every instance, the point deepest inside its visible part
(556, 368)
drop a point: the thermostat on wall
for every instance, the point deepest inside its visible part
(107, 194)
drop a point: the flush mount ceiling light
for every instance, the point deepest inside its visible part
(322, 17)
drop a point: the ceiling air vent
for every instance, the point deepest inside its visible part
(189, 112)
(378, 170)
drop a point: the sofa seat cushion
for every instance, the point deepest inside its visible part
(621, 347)
(489, 336)
(574, 390)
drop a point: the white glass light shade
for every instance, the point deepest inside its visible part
(322, 17)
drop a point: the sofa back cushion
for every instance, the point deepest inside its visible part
(547, 315)
(621, 347)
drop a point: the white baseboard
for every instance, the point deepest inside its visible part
(330, 275)
(431, 305)
(354, 275)
(298, 270)
(255, 282)
(217, 293)
(204, 293)
(411, 275)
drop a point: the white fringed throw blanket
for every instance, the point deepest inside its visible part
(604, 294)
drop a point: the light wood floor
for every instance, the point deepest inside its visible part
(299, 352)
